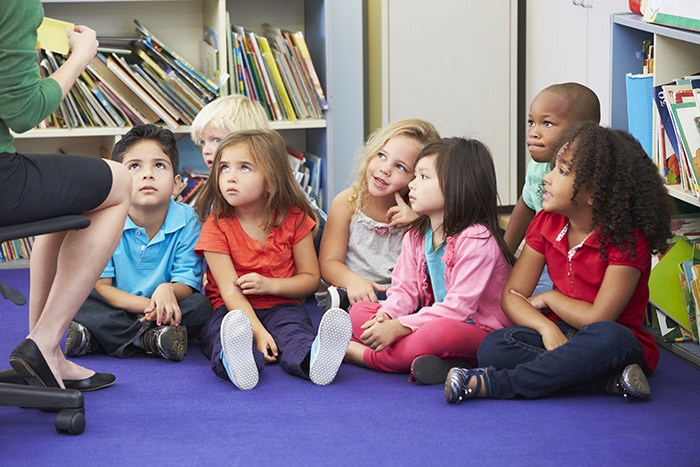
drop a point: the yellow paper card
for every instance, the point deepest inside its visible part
(52, 36)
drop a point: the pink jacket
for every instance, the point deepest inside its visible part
(475, 273)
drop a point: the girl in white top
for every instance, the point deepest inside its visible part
(362, 237)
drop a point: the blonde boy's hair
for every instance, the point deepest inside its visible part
(230, 113)
(421, 131)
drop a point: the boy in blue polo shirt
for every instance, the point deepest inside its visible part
(148, 297)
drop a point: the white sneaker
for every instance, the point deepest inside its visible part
(330, 345)
(237, 350)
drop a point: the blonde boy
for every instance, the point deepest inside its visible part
(223, 116)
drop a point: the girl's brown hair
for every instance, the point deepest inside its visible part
(268, 153)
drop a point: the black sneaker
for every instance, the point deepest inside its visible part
(337, 298)
(632, 383)
(79, 341)
(169, 342)
(429, 369)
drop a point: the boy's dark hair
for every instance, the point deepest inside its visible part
(467, 178)
(627, 191)
(583, 102)
(148, 132)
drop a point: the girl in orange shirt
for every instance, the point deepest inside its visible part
(261, 263)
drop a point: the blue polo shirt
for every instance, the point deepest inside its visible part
(139, 265)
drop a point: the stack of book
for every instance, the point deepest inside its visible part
(133, 80)
(192, 184)
(13, 250)
(674, 284)
(308, 172)
(677, 131)
(276, 70)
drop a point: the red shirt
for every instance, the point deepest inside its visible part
(273, 259)
(581, 277)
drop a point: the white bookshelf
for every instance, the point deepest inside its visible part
(676, 54)
(333, 30)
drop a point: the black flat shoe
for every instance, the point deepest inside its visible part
(30, 364)
(429, 369)
(93, 383)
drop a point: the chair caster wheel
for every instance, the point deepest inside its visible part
(71, 421)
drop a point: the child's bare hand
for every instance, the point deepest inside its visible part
(381, 334)
(553, 338)
(538, 301)
(362, 290)
(163, 307)
(253, 284)
(378, 317)
(401, 214)
(266, 344)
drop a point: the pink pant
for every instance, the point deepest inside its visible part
(442, 337)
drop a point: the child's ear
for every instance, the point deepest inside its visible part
(177, 184)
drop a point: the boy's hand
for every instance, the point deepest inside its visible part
(163, 307)
(266, 344)
(253, 284)
(401, 214)
(383, 333)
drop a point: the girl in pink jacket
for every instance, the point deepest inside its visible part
(446, 287)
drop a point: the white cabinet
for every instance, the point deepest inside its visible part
(333, 31)
(452, 62)
(569, 40)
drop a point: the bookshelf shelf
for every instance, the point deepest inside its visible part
(332, 30)
(676, 54)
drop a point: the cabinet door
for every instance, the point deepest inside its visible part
(567, 42)
(452, 62)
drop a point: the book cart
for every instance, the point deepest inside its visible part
(676, 54)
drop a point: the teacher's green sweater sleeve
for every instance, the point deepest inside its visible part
(25, 97)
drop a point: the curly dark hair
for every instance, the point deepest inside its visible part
(627, 190)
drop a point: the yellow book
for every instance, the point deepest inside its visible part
(267, 54)
(52, 36)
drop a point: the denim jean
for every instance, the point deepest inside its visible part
(518, 365)
(544, 284)
(116, 329)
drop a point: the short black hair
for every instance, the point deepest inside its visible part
(148, 132)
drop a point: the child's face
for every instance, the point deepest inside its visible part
(241, 183)
(548, 119)
(559, 186)
(391, 168)
(210, 139)
(426, 196)
(153, 173)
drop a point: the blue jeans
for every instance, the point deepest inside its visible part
(518, 365)
(544, 284)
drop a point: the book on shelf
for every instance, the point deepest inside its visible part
(639, 108)
(665, 290)
(300, 43)
(276, 77)
(126, 77)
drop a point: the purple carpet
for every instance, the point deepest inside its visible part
(166, 413)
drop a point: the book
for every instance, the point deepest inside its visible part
(300, 43)
(664, 287)
(265, 78)
(639, 108)
(684, 116)
(126, 78)
(137, 107)
(51, 35)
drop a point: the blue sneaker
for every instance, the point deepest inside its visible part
(329, 347)
(237, 350)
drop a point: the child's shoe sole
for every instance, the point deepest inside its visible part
(333, 338)
(430, 370)
(634, 382)
(237, 347)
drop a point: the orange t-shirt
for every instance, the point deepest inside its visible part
(273, 259)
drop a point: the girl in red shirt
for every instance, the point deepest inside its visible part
(261, 263)
(605, 212)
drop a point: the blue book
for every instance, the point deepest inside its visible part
(639, 108)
